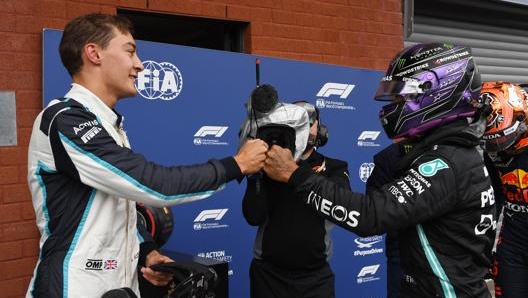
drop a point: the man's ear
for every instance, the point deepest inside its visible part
(91, 50)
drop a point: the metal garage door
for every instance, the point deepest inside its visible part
(492, 29)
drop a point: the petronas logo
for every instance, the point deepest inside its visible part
(401, 63)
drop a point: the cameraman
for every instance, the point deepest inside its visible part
(293, 243)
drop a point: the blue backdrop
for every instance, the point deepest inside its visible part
(190, 107)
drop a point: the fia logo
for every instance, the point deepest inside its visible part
(201, 136)
(368, 274)
(210, 219)
(365, 170)
(367, 138)
(159, 81)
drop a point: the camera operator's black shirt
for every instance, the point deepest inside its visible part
(290, 235)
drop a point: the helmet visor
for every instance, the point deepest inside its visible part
(407, 87)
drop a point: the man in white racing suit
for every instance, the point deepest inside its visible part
(85, 181)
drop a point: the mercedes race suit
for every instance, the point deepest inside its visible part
(441, 206)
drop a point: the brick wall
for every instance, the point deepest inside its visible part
(360, 33)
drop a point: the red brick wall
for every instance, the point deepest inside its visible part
(364, 34)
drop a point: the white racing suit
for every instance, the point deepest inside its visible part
(85, 182)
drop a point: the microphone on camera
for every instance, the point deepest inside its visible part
(264, 98)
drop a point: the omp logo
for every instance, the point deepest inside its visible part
(159, 80)
(367, 274)
(368, 242)
(94, 264)
(369, 134)
(372, 269)
(216, 131)
(215, 214)
(329, 89)
(99, 264)
(365, 170)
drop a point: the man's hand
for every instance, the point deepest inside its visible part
(279, 164)
(155, 277)
(250, 157)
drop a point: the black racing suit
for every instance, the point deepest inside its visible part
(510, 265)
(441, 205)
(293, 242)
(384, 172)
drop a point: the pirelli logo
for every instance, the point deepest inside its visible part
(90, 134)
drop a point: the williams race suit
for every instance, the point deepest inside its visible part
(85, 182)
(441, 206)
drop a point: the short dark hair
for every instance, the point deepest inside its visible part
(97, 28)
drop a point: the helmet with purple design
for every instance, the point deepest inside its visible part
(428, 85)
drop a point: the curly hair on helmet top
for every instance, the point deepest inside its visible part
(428, 85)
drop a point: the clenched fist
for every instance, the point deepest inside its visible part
(279, 164)
(251, 156)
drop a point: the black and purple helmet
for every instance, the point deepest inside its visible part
(428, 85)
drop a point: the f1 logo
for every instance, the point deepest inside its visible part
(343, 90)
(216, 131)
(215, 214)
(368, 270)
(367, 134)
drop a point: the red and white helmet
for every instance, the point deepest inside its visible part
(506, 128)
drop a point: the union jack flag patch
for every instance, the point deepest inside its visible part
(110, 264)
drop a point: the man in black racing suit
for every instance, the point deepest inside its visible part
(441, 204)
(384, 163)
